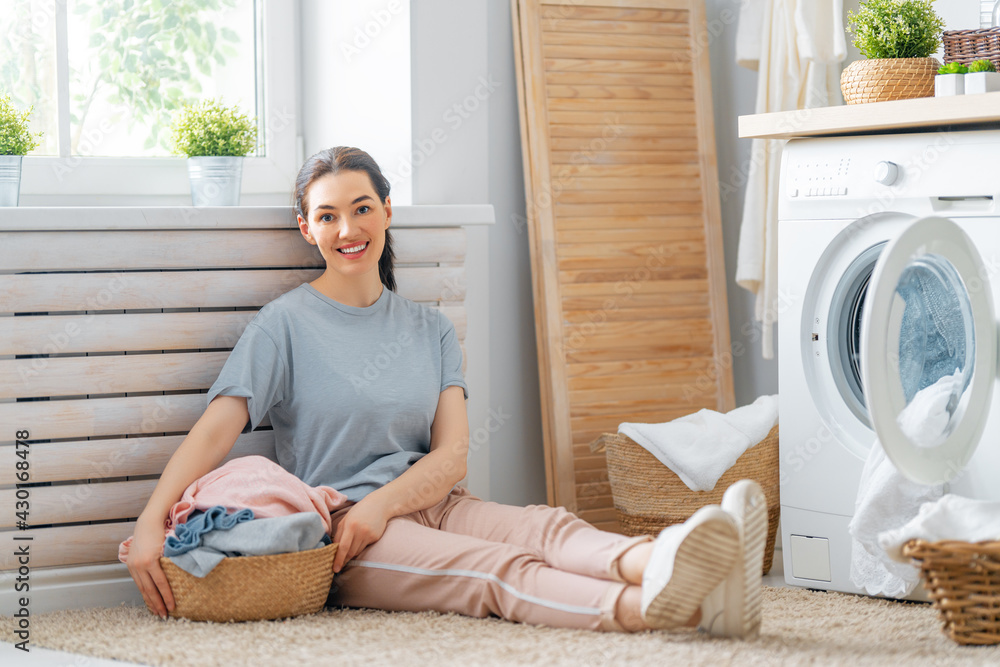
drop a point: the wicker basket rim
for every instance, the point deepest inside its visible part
(600, 444)
(875, 60)
(916, 546)
(284, 559)
(970, 31)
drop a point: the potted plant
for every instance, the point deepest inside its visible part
(897, 37)
(16, 141)
(950, 80)
(215, 139)
(982, 78)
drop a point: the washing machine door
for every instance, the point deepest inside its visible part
(928, 350)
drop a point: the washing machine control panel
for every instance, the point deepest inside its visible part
(934, 173)
(822, 178)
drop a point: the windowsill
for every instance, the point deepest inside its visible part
(139, 181)
(245, 216)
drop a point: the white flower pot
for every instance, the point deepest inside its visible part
(982, 82)
(215, 180)
(949, 84)
(10, 179)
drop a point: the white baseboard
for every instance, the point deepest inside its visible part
(52, 589)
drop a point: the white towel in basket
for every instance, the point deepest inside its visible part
(701, 447)
(950, 517)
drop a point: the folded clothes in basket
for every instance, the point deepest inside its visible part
(701, 447)
(950, 517)
(188, 534)
(255, 483)
(260, 537)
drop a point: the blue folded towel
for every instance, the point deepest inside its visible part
(189, 534)
(260, 537)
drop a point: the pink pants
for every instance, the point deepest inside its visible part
(535, 564)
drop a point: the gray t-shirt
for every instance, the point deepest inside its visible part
(351, 392)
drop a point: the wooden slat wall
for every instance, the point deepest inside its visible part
(628, 275)
(115, 335)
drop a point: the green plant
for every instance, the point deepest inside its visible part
(982, 66)
(953, 68)
(15, 136)
(896, 28)
(140, 58)
(209, 128)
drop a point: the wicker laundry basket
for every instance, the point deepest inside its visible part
(968, 46)
(963, 581)
(254, 588)
(648, 496)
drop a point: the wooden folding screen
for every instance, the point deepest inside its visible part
(625, 235)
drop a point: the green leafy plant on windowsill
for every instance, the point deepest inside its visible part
(981, 66)
(210, 128)
(15, 136)
(896, 28)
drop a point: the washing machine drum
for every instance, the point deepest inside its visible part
(928, 350)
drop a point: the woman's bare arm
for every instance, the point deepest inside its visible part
(208, 442)
(425, 484)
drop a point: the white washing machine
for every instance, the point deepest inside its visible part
(862, 221)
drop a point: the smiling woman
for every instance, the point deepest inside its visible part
(396, 444)
(343, 208)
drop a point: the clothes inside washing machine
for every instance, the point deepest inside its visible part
(936, 340)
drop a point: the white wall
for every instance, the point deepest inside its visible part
(467, 142)
(734, 91)
(518, 465)
(355, 82)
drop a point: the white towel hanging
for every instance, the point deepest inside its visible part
(802, 46)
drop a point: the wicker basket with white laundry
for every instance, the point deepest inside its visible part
(963, 581)
(661, 474)
(955, 541)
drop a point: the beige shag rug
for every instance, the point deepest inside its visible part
(800, 628)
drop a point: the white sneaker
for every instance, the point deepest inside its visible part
(733, 608)
(687, 562)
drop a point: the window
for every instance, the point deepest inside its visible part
(106, 76)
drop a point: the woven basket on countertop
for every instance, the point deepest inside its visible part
(968, 46)
(887, 79)
(254, 588)
(963, 581)
(648, 496)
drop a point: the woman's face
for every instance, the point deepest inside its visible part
(347, 222)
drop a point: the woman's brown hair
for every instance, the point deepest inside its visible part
(333, 161)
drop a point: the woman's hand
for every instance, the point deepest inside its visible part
(144, 566)
(363, 524)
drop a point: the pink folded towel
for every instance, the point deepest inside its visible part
(252, 482)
